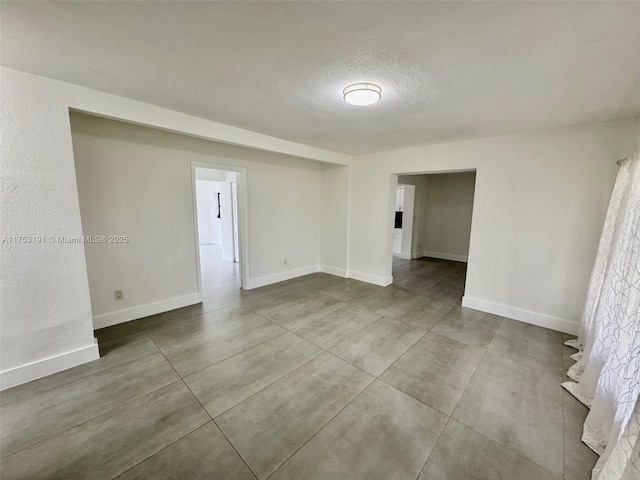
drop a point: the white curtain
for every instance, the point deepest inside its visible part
(607, 371)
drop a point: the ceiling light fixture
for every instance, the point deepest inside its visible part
(362, 94)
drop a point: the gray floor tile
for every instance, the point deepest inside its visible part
(384, 302)
(378, 345)
(193, 327)
(325, 282)
(297, 313)
(383, 433)
(111, 443)
(206, 350)
(269, 427)
(401, 273)
(462, 454)
(435, 370)
(266, 304)
(118, 331)
(271, 391)
(453, 290)
(518, 406)
(327, 327)
(113, 353)
(172, 317)
(46, 414)
(414, 284)
(468, 326)
(529, 344)
(201, 455)
(355, 291)
(231, 381)
(424, 311)
(579, 459)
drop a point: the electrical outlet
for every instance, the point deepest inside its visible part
(118, 295)
(285, 262)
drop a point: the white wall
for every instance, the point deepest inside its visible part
(209, 225)
(444, 223)
(45, 313)
(449, 210)
(419, 211)
(125, 188)
(227, 217)
(155, 210)
(407, 220)
(335, 219)
(540, 201)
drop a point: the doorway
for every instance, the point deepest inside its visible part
(218, 209)
(432, 229)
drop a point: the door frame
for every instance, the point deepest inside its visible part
(243, 219)
(393, 183)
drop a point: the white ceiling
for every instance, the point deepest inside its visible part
(449, 70)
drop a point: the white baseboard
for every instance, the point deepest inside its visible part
(445, 256)
(133, 313)
(375, 279)
(338, 272)
(546, 321)
(406, 256)
(280, 277)
(48, 366)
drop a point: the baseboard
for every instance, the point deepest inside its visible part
(539, 319)
(375, 279)
(338, 272)
(133, 313)
(280, 277)
(48, 366)
(406, 256)
(446, 256)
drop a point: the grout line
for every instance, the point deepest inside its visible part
(90, 419)
(231, 356)
(322, 428)
(234, 449)
(449, 419)
(91, 374)
(181, 379)
(207, 413)
(162, 449)
(267, 386)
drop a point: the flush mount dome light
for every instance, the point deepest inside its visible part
(362, 94)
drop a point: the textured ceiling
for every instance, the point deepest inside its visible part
(449, 70)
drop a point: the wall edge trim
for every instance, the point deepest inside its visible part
(526, 316)
(140, 311)
(48, 366)
(443, 256)
(280, 277)
(338, 272)
(368, 278)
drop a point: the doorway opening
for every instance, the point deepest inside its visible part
(432, 230)
(218, 208)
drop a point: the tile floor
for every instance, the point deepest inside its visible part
(317, 377)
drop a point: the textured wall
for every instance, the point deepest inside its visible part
(45, 308)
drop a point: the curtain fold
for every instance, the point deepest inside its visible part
(607, 371)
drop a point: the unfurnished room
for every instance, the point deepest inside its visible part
(346, 240)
